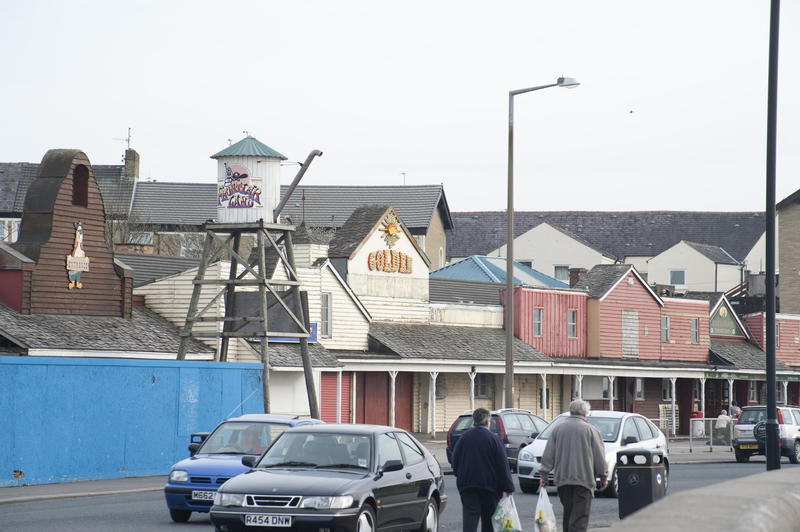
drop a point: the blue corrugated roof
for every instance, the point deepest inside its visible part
(249, 146)
(493, 269)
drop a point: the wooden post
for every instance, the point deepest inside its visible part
(262, 292)
(190, 314)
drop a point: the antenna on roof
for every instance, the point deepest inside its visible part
(126, 139)
(246, 133)
(230, 141)
(404, 177)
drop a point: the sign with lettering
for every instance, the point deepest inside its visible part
(236, 190)
(723, 324)
(390, 261)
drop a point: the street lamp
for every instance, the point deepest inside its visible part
(508, 383)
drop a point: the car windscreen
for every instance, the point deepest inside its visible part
(751, 416)
(241, 437)
(308, 449)
(608, 427)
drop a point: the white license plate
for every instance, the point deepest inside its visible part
(198, 495)
(267, 520)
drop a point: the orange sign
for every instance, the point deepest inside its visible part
(390, 261)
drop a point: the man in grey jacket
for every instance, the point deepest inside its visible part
(575, 455)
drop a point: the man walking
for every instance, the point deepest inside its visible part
(482, 474)
(574, 453)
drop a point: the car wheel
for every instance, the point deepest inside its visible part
(528, 486)
(795, 456)
(431, 521)
(180, 516)
(742, 457)
(365, 522)
(613, 486)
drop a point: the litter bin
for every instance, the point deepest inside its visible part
(642, 478)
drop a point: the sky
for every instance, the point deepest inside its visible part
(671, 113)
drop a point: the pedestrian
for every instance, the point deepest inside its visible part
(574, 453)
(482, 474)
(721, 427)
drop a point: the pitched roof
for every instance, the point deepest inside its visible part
(742, 355)
(459, 291)
(445, 342)
(174, 203)
(287, 355)
(355, 229)
(149, 268)
(714, 253)
(145, 332)
(493, 269)
(623, 234)
(331, 206)
(15, 178)
(249, 146)
(601, 278)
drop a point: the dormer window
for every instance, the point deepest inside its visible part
(80, 186)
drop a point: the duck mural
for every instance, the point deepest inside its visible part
(77, 261)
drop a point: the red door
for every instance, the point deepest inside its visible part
(402, 405)
(328, 397)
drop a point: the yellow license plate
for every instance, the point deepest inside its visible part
(748, 446)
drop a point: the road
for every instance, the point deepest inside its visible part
(147, 511)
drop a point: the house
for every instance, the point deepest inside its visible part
(690, 266)
(788, 252)
(493, 270)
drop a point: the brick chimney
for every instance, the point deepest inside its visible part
(575, 275)
(132, 163)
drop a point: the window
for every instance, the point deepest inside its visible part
(410, 449)
(526, 422)
(644, 428)
(388, 449)
(512, 422)
(666, 390)
(441, 387)
(630, 333)
(482, 386)
(696, 391)
(639, 389)
(326, 314)
(677, 277)
(629, 429)
(538, 315)
(441, 257)
(665, 328)
(605, 387)
(780, 397)
(561, 273)
(796, 414)
(572, 323)
(546, 398)
(777, 335)
(80, 186)
(192, 245)
(754, 392)
(695, 330)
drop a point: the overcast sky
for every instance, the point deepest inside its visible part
(670, 114)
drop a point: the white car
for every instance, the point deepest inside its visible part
(618, 429)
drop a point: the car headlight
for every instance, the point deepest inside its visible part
(324, 503)
(526, 455)
(229, 499)
(177, 475)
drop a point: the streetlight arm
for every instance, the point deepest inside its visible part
(530, 89)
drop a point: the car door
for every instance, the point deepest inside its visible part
(514, 433)
(418, 474)
(393, 490)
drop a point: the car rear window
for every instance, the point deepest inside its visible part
(463, 423)
(751, 416)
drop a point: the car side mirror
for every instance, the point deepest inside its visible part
(392, 465)
(249, 461)
(193, 447)
(534, 434)
(629, 440)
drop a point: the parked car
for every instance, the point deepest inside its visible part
(216, 457)
(749, 433)
(516, 428)
(618, 429)
(336, 477)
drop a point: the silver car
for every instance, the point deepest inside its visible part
(749, 433)
(618, 429)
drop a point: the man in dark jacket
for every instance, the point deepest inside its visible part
(482, 474)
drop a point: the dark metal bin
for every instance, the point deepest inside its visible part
(642, 478)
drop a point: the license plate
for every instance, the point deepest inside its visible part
(198, 495)
(268, 520)
(748, 446)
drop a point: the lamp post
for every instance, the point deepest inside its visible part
(508, 383)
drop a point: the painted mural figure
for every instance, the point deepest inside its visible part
(77, 262)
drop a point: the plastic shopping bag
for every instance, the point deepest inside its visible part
(544, 518)
(505, 517)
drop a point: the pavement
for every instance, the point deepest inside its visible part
(681, 451)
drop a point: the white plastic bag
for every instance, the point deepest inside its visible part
(505, 517)
(544, 518)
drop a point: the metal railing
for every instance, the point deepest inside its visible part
(704, 429)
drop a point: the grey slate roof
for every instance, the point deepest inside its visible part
(459, 291)
(444, 342)
(146, 331)
(355, 230)
(287, 355)
(174, 203)
(601, 278)
(711, 297)
(714, 253)
(742, 355)
(249, 146)
(331, 206)
(115, 186)
(622, 234)
(493, 269)
(149, 268)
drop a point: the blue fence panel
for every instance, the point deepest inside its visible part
(67, 419)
